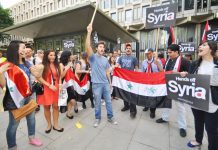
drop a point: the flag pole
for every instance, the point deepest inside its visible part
(157, 39)
(93, 16)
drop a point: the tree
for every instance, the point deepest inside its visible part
(5, 21)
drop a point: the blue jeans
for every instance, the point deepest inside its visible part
(13, 124)
(102, 90)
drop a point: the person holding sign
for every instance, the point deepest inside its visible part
(207, 64)
(149, 65)
(176, 63)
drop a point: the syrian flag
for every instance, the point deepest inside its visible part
(81, 88)
(17, 83)
(171, 35)
(139, 88)
(206, 28)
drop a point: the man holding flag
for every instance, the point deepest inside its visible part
(100, 77)
(150, 65)
(176, 63)
(128, 62)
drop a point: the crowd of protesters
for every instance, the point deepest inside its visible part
(49, 68)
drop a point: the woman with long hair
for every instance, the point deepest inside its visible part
(16, 57)
(66, 64)
(207, 64)
(51, 79)
(82, 68)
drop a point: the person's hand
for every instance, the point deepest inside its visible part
(52, 87)
(4, 68)
(89, 28)
(35, 71)
(183, 74)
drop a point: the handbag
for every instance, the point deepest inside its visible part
(25, 110)
(38, 88)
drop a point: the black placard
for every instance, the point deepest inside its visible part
(161, 16)
(192, 89)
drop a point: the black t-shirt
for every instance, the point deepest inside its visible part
(184, 65)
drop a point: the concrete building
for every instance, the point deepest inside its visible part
(131, 14)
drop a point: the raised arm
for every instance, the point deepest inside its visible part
(88, 46)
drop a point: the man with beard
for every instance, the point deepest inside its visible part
(128, 62)
(100, 78)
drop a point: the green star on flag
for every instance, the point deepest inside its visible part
(11, 89)
(129, 85)
(84, 90)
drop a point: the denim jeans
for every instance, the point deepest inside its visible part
(102, 90)
(13, 125)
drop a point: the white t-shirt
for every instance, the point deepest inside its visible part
(207, 68)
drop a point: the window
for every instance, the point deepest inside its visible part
(128, 15)
(51, 6)
(27, 16)
(23, 6)
(31, 13)
(214, 3)
(201, 4)
(179, 6)
(120, 16)
(63, 3)
(128, 1)
(114, 16)
(144, 11)
(59, 3)
(136, 13)
(106, 4)
(37, 11)
(120, 2)
(113, 3)
(47, 7)
(189, 4)
(43, 9)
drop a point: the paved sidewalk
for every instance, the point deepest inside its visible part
(141, 133)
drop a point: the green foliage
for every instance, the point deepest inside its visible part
(5, 21)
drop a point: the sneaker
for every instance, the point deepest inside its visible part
(152, 115)
(125, 108)
(132, 115)
(102, 102)
(145, 109)
(161, 121)
(182, 132)
(112, 120)
(97, 122)
(35, 142)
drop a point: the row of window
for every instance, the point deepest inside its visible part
(121, 15)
